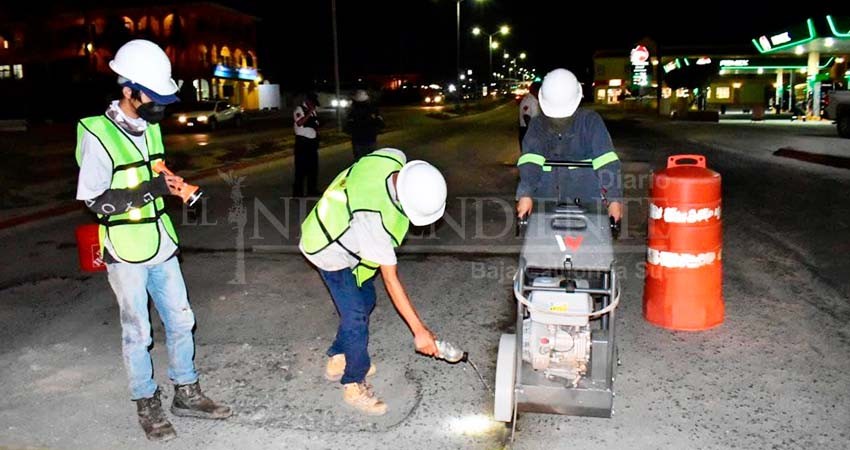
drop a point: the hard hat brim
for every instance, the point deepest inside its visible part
(157, 98)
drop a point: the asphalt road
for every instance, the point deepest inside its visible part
(772, 376)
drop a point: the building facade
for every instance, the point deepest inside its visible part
(64, 55)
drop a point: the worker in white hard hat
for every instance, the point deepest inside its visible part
(350, 236)
(363, 124)
(116, 153)
(565, 131)
(529, 108)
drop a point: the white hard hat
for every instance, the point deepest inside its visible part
(360, 95)
(422, 192)
(560, 94)
(146, 66)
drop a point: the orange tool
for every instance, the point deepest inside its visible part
(188, 192)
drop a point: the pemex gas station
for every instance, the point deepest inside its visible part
(784, 71)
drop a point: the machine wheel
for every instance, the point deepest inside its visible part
(212, 124)
(503, 407)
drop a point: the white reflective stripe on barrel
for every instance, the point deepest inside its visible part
(680, 260)
(673, 215)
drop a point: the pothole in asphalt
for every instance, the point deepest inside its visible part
(275, 387)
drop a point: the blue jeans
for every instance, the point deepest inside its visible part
(131, 283)
(354, 306)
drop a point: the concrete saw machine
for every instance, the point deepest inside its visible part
(562, 358)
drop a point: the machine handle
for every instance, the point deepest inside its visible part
(567, 163)
(615, 227)
(673, 161)
(521, 224)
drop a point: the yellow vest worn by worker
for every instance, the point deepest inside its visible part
(361, 187)
(134, 234)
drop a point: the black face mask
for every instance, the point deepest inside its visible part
(559, 125)
(151, 112)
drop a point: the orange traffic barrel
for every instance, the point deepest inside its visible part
(88, 248)
(683, 288)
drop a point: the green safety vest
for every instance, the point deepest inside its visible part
(134, 234)
(361, 187)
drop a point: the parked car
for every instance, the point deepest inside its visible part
(206, 114)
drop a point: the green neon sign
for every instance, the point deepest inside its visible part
(834, 30)
(812, 35)
(752, 68)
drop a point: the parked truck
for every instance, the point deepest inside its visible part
(838, 109)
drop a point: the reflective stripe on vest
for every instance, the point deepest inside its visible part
(540, 160)
(361, 187)
(134, 234)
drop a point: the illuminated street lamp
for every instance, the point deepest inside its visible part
(457, 55)
(522, 55)
(491, 44)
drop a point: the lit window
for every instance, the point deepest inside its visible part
(723, 92)
(18, 71)
(600, 94)
(5, 72)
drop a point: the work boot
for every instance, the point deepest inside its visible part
(189, 401)
(336, 367)
(361, 396)
(152, 419)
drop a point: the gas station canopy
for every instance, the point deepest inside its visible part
(826, 35)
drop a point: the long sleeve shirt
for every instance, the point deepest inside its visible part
(584, 138)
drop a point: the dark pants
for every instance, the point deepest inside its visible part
(306, 166)
(354, 306)
(362, 149)
(522, 131)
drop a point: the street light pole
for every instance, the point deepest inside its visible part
(457, 53)
(503, 30)
(336, 66)
(457, 59)
(490, 56)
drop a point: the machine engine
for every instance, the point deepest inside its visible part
(557, 344)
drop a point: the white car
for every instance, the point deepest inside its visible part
(206, 114)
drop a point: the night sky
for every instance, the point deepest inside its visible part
(419, 35)
(381, 36)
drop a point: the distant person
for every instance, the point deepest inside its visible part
(115, 152)
(529, 108)
(363, 123)
(306, 126)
